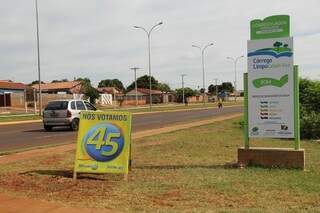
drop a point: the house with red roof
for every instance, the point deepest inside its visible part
(12, 93)
(144, 96)
(70, 87)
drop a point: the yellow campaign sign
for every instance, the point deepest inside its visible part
(103, 144)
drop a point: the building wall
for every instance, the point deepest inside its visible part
(133, 93)
(197, 99)
(50, 97)
(133, 102)
(17, 100)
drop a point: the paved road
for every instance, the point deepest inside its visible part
(23, 136)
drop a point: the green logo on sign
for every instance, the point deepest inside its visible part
(270, 27)
(261, 82)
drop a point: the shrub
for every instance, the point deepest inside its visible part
(309, 109)
(309, 124)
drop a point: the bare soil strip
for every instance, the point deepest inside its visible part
(25, 205)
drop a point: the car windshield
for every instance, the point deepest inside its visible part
(57, 105)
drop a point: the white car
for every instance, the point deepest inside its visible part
(64, 113)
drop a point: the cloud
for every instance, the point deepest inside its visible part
(96, 39)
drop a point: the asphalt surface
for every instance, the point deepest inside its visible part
(22, 136)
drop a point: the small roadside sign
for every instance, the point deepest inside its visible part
(103, 143)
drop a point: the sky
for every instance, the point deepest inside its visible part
(96, 38)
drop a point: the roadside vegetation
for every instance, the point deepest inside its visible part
(162, 108)
(192, 170)
(310, 108)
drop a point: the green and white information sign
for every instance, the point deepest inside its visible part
(270, 88)
(271, 83)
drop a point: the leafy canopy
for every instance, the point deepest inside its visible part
(111, 83)
(88, 90)
(143, 82)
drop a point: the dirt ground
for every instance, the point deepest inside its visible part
(59, 182)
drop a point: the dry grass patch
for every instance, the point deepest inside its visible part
(191, 170)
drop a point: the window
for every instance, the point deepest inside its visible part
(73, 105)
(89, 106)
(57, 105)
(80, 105)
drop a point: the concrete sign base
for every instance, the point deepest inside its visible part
(272, 157)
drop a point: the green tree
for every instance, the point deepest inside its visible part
(309, 108)
(85, 81)
(35, 82)
(188, 92)
(277, 44)
(309, 95)
(62, 80)
(212, 88)
(111, 83)
(88, 90)
(163, 87)
(143, 82)
(227, 87)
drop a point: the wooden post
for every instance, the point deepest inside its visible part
(25, 100)
(34, 101)
(74, 175)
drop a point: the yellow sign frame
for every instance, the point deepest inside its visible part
(103, 142)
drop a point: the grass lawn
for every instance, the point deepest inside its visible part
(19, 118)
(184, 171)
(162, 108)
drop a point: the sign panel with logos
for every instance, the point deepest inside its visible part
(271, 27)
(103, 144)
(270, 88)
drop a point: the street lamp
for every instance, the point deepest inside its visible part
(182, 78)
(216, 81)
(148, 34)
(135, 82)
(39, 76)
(235, 74)
(202, 57)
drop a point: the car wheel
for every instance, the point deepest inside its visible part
(47, 127)
(74, 125)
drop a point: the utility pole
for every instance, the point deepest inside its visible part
(38, 48)
(135, 82)
(182, 78)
